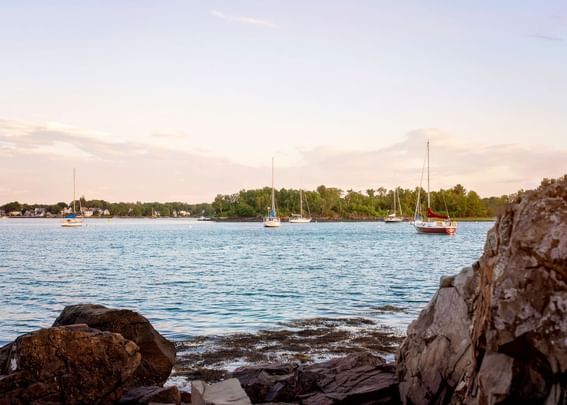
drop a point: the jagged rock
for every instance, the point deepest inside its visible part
(148, 395)
(498, 332)
(358, 378)
(355, 379)
(222, 393)
(269, 383)
(158, 353)
(71, 365)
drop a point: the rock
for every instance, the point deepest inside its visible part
(269, 383)
(70, 365)
(158, 353)
(498, 332)
(355, 379)
(185, 396)
(148, 395)
(227, 392)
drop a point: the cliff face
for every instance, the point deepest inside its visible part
(497, 332)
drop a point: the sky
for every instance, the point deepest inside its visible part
(183, 100)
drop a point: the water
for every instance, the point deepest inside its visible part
(199, 278)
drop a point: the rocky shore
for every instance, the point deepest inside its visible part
(495, 333)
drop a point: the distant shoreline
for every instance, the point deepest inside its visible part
(228, 220)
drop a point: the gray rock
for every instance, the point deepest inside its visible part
(227, 392)
(497, 333)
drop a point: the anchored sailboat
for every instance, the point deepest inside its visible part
(299, 218)
(272, 220)
(441, 224)
(392, 218)
(71, 220)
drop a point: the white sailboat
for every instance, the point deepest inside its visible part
(299, 218)
(272, 220)
(434, 223)
(71, 220)
(393, 218)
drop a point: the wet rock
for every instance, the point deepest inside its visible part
(355, 379)
(158, 353)
(269, 383)
(221, 393)
(148, 395)
(70, 365)
(497, 333)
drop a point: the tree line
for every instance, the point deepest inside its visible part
(323, 202)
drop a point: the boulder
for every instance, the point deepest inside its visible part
(70, 365)
(148, 395)
(497, 333)
(356, 378)
(227, 392)
(158, 353)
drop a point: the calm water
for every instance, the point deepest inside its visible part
(197, 278)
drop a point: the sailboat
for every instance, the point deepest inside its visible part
(272, 220)
(393, 218)
(71, 220)
(441, 224)
(299, 218)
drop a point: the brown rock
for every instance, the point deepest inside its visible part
(158, 353)
(68, 365)
(498, 332)
(148, 395)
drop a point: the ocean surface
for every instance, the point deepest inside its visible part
(202, 278)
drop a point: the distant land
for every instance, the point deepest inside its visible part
(323, 203)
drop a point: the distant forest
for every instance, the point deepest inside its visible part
(324, 202)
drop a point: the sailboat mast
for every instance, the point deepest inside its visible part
(428, 201)
(273, 192)
(73, 190)
(300, 203)
(395, 192)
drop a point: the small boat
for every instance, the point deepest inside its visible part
(71, 220)
(393, 218)
(299, 218)
(203, 218)
(441, 224)
(272, 220)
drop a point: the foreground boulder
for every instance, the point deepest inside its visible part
(68, 365)
(355, 379)
(497, 332)
(158, 353)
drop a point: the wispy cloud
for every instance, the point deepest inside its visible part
(38, 158)
(243, 20)
(547, 37)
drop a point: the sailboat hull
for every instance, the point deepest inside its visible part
(299, 220)
(71, 224)
(437, 227)
(392, 220)
(272, 223)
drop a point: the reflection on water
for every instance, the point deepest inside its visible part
(199, 278)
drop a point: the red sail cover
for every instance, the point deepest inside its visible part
(433, 214)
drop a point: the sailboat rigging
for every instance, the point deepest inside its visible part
(71, 220)
(299, 218)
(393, 218)
(272, 220)
(441, 224)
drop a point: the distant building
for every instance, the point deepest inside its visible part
(39, 212)
(2, 212)
(15, 213)
(183, 213)
(88, 212)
